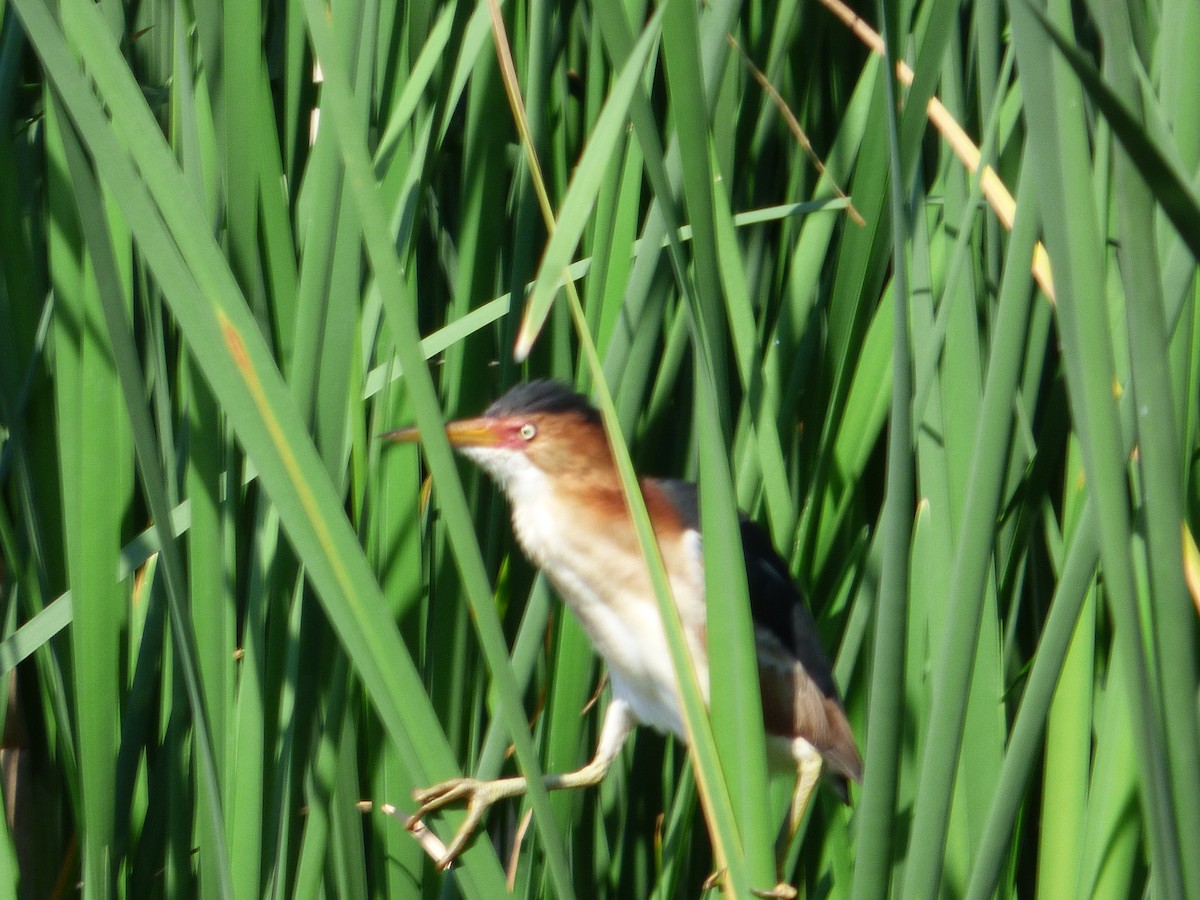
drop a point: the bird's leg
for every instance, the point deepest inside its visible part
(479, 795)
(808, 770)
(781, 891)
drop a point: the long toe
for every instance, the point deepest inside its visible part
(713, 881)
(463, 836)
(781, 891)
(478, 796)
(431, 799)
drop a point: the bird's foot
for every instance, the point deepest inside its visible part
(478, 796)
(713, 881)
(781, 891)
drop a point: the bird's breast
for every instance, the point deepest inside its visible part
(597, 568)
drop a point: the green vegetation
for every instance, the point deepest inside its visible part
(235, 626)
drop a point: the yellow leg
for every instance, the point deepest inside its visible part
(479, 795)
(808, 770)
(781, 891)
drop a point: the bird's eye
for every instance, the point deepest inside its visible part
(527, 431)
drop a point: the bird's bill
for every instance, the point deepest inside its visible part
(478, 432)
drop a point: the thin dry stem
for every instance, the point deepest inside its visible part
(794, 126)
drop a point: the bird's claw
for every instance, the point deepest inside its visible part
(431, 799)
(478, 798)
(781, 891)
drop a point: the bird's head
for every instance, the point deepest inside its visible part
(538, 430)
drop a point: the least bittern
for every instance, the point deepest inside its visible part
(546, 448)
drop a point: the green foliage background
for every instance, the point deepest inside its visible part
(229, 615)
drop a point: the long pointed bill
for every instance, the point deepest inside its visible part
(480, 432)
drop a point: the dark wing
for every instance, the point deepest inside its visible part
(775, 602)
(800, 697)
(777, 606)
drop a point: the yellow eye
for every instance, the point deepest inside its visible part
(527, 431)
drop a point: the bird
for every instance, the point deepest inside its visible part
(545, 446)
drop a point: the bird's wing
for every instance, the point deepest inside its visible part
(775, 602)
(777, 605)
(800, 697)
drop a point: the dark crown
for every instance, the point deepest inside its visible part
(542, 397)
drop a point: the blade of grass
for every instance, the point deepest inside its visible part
(881, 759)
(734, 695)
(95, 492)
